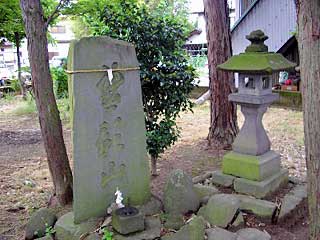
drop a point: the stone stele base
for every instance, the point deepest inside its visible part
(66, 229)
(256, 168)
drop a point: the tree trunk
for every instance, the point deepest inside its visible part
(49, 118)
(23, 86)
(223, 123)
(154, 166)
(309, 48)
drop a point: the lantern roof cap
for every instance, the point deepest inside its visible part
(256, 59)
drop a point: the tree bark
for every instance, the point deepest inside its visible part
(49, 118)
(223, 123)
(154, 166)
(17, 42)
(309, 49)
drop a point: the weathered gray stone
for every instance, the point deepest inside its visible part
(93, 236)
(153, 206)
(263, 188)
(205, 192)
(261, 208)
(220, 210)
(179, 194)
(45, 238)
(293, 199)
(153, 230)
(217, 233)
(252, 234)
(256, 168)
(192, 231)
(66, 229)
(221, 179)
(252, 138)
(239, 222)
(201, 178)
(174, 221)
(127, 224)
(36, 226)
(109, 136)
(300, 191)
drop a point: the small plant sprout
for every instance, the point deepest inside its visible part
(49, 230)
(107, 235)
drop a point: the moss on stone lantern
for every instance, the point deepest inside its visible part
(257, 168)
(256, 59)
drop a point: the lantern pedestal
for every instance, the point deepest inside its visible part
(261, 189)
(254, 168)
(257, 168)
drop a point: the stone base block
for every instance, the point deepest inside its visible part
(66, 229)
(263, 188)
(127, 224)
(153, 231)
(222, 179)
(256, 168)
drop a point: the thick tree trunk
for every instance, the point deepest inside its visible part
(17, 42)
(309, 48)
(49, 118)
(154, 166)
(223, 123)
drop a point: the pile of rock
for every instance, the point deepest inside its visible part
(190, 211)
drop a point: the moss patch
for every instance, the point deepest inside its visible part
(241, 165)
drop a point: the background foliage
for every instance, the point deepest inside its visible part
(158, 33)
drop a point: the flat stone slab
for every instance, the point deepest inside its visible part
(66, 229)
(220, 209)
(201, 178)
(263, 188)
(174, 221)
(204, 192)
(220, 234)
(292, 200)
(108, 126)
(38, 222)
(252, 234)
(252, 99)
(194, 230)
(153, 230)
(256, 168)
(222, 179)
(217, 233)
(260, 208)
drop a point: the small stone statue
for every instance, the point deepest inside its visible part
(119, 198)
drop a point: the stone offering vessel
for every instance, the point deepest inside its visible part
(257, 167)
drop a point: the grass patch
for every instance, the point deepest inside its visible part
(24, 107)
(64, 109)
(20, 107)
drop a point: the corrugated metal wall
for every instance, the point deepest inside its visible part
(277, 18)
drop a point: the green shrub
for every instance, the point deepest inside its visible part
(60, 82)
(15, 85)
(166, 75)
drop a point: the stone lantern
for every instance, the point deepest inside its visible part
(256, 167)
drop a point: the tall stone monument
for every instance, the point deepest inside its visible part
(108, 128)
(257, 168)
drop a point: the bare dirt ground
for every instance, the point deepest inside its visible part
(25, 183)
